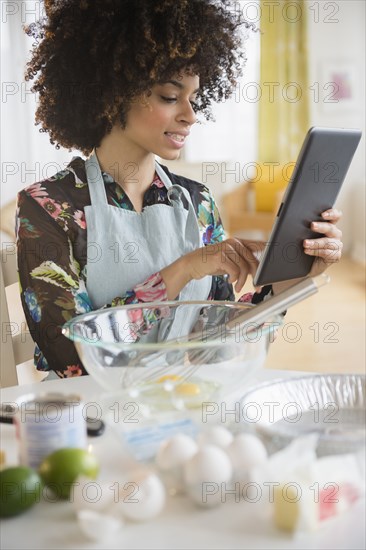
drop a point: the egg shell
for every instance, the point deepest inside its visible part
(206, 495)
(245, 452)
(143, 496)
(215, 435)
(206, 474)
(175, 451)
(173, 480)
(98, 526)
(87, 494)
(209, 464)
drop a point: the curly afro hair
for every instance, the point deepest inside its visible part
(93, 57)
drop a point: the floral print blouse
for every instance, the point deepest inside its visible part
(52, 255)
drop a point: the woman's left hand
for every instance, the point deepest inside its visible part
(327, 249)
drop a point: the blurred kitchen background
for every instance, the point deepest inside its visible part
(305, 68)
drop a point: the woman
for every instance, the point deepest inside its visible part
(123, 81)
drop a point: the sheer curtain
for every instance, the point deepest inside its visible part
(284, 103)
(26, 154)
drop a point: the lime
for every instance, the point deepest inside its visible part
(20, 488)
(61, 468)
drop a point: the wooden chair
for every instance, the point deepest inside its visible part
(239, 219)
(242, 214)
(17, 346)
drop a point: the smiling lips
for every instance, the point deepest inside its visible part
(177, 138)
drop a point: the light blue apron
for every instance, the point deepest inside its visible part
(126, 247)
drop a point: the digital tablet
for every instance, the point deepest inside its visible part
(318, 175)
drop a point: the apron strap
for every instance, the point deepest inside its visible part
(95, 180)
(163, 175)
(192, 228)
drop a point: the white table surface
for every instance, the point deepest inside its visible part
(181, 525)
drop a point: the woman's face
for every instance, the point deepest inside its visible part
(160, 123)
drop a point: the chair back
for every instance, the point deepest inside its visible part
(17, 345)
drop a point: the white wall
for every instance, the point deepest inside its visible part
(337, 39)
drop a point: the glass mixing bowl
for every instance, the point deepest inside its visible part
(172, 355)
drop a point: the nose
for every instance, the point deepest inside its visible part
(187, 114)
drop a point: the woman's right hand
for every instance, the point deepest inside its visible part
(233, 257)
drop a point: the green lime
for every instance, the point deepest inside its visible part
(61, 468)
(20, 488)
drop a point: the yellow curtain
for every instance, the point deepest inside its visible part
(284, 105)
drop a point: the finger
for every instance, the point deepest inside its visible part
(241, 255)
(248, 252)
(230, 257)
(323, 242)
(245, 259)
(327, 254)
(234, 264)
(228, 261)
(329, 229)
(333, 215)
(254, 250)
(256, 247)
(243, 274)
(238, 273)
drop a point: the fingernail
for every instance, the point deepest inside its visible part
(326, 214)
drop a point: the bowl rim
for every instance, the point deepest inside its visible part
(275, 321)
(301, 376)
(280, 431)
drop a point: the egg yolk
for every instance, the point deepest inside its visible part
(168, 377)
(188, 388)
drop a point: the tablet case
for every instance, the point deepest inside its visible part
(320, 170)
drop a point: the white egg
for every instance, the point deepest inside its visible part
(245, 452)
(87, 494)
(175, 451)
(143, 496)
(98, 526)
(171, 456)
(215, 435)
(206, 475)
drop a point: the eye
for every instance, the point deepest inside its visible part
(168, 99)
